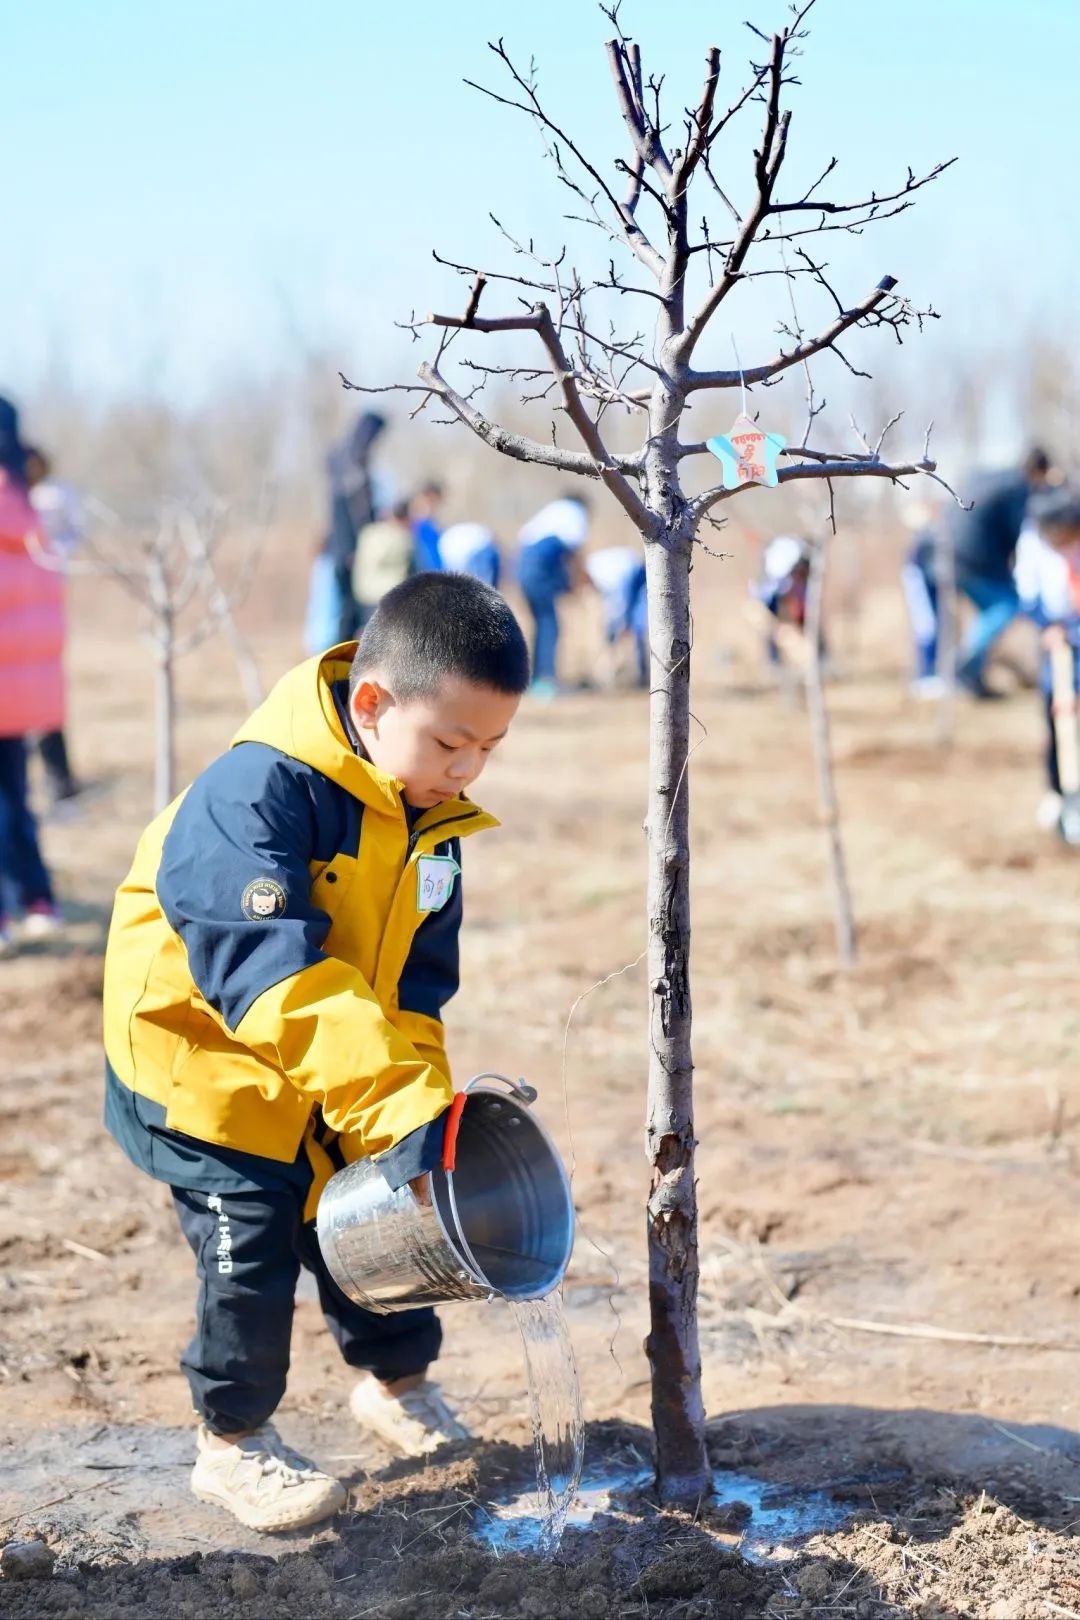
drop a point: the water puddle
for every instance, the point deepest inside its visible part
(778, 1514)
(557, 1424)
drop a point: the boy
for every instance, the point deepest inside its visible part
(1048, 586)
(278, 959)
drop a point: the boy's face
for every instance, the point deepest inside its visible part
(438, 745)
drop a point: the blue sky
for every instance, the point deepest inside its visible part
(205, 187)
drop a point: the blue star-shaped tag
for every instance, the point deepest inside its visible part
(747, 453)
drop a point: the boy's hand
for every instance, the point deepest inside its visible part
(1054, 636)
(420, 1187)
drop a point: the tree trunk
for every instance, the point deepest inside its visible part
(164, 728)
(164, 644)
(672, 1345)
(822, 747)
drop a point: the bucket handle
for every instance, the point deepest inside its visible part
(524, 1093)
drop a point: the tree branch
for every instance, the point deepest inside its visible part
(644, 135)
(539, 320)
(767, 161)
(632, 233)
(698, 144)
(806, 206)
(518, 445)
(840, 466)
(802, 351)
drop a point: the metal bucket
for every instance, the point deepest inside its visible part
(502, 1223)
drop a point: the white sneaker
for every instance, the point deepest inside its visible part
(1048, 814)
(413, 1424)
(263, 1482)
(43, 922)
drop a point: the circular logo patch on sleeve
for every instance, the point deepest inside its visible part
(263, 900)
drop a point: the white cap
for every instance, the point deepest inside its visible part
(782, 555)
(459, 544)
(565, 520)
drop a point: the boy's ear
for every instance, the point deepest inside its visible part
(368, 704)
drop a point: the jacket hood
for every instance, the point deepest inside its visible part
(300, 717)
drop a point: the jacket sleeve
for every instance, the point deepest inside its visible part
(234, 882)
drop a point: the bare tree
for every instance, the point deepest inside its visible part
(680, 270)
(173, 570)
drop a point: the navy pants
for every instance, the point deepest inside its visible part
(545, 645)
(52, 746)
(23, 878)
(249, 1248)
(543, 572)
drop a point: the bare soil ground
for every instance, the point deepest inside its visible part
(888, 1178)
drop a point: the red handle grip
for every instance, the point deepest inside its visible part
(450, 1135)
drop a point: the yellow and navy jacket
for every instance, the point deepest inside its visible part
(279, 956)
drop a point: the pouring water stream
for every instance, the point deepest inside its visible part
(554, 1396)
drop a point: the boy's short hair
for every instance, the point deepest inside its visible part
(437, 626)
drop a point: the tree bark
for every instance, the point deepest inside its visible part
(165, 730)
(164, 635)
(823, 764)
(672, 1345)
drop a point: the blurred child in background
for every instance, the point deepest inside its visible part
(423, 515)
(618, 574)
(60, 513)
(331, 614)
(385, 555)
(1048, 586)
(470, 548)
(549, 566)
(919, 580)
(984, 538)
(781, 592)
(31, 688)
